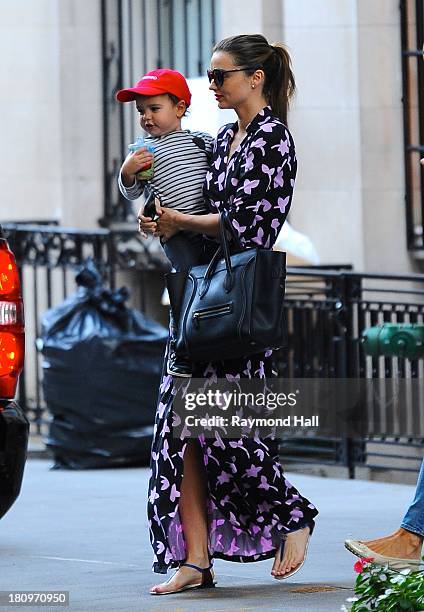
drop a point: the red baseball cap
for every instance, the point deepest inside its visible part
(157, 82)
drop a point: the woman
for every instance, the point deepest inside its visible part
(233, 502)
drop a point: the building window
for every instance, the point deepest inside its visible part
(138, 36)
(412, 30)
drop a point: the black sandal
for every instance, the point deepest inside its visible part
(208, 580)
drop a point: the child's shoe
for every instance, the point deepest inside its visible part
(178, 365)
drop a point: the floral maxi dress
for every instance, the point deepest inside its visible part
(249, 502)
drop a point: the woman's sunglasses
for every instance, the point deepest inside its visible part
(218, 75)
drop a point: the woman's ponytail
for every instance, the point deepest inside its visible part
(281, 88)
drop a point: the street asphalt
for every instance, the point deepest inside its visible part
(86, 532)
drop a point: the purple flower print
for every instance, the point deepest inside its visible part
(168, 556)
(216, 523)
(275, 224)
(233, 548)
(165, 483)
(249, 185)
(234, 378)
(165, 453)
(255, 529)
(165, 384)
(261, 371)
(221, 179)
(296, 514)
(223, 477)
(293, 499)
(282, 203)
(174, 493)
(218, 441)
(208, 178)
(218, 542)
(260, 453)
(185, 433)
(239, 444)
(268, 126)
(161, 410)
(180, 454)
(282, 147)
(226, 500)
(153, 495)
(269, 172)
(277, 471)
(176, 419)
(253, 471)
(257, 219)
(249, 161)
(265, 484)
(238, 227)
(210, 456)
(259, 144)
(264, 506)
(266, 205)
(279, 177)
(259, 236)
(266, 545)
(247, 371)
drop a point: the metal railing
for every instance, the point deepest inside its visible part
(48, 257)
(326, 312)
(326, 309)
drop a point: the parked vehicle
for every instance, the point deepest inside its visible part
(14, 425)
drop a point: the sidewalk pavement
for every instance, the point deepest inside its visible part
(86, 532)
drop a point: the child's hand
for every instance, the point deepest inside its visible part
(145, 224)
(135, 162)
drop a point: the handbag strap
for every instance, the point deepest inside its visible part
(223, 249)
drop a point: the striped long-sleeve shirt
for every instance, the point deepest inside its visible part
(181, 161)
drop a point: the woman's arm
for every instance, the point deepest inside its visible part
(203, 224)
(172, 221)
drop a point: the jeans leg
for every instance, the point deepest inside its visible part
(414, 518)
(184, 250)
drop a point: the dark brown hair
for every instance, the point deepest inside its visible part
(254, 51)
(175, 99)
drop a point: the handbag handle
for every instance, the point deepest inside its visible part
(222, 249)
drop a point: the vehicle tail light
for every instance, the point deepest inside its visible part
(12, 331)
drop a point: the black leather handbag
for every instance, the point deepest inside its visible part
(231, 307)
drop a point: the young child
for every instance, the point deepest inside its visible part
(181, 160)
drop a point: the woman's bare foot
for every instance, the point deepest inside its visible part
(183, 576)
(401, 543)
(294, 552)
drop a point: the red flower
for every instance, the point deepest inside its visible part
(360, 565)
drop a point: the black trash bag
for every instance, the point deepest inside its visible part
(101, 373)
